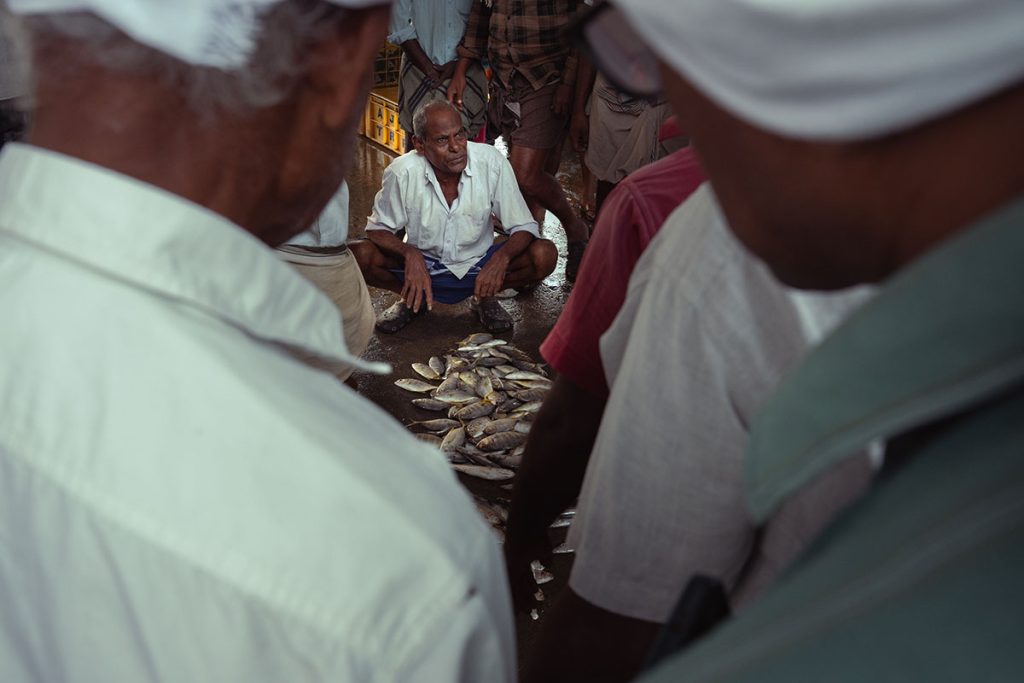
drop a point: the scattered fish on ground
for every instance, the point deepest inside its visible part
(491, 391)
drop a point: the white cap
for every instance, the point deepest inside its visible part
(217, 33)
(837, 69)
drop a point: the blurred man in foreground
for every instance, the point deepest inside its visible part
(887, 150)
(183, 499)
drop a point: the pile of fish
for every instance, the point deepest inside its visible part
(489, 392)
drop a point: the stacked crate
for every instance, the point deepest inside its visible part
(380, 122)
(387, 66)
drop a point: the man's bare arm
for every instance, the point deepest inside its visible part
(549, 479)
(416, 290)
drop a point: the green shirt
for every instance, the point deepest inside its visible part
(923, 579)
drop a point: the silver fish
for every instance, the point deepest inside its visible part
(484, 386)
(478, 338)
(450, 383)
(527, 395)
(468, 380)
(540, 574)
(474, 455)
(508, 405)
(490, 362)
(531, 407)
(456, 364)
(501, 440)
(456, 458)
(482, 472)
(526, 375)
(430, 438)
(453, 439)
(456, 396)
(477, 427)
(415, 385)
(474, 410)
(430, 404)
(439, 425)
(436, 364)
(506, 425)
(505, 370)
(509, 462)
(425, 371)
(527, 384)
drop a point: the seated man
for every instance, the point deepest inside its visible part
(443, 195)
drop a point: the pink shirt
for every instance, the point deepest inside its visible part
(629, 220)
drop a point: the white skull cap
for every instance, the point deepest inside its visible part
(837, 69)
(216, 33)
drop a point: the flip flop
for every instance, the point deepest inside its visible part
(493, 315)
(395, 318)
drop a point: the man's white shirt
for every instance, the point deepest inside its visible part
(458, 236)
(704, 336)
(181, 499)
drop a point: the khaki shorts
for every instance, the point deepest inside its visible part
(523, 115)
(338, 276)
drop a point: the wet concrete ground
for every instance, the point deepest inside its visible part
(432, 334)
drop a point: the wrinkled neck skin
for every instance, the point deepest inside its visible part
(225, 161)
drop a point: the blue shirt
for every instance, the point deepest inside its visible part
(438, 25)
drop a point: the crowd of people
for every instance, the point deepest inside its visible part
(788, 406)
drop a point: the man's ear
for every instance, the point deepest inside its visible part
(417, 144)
(341, 62)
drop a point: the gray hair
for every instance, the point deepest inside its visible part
(271, 72)
(433, 101)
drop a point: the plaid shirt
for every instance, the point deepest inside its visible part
(525, 36)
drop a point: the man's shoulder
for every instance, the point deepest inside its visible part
(485, 154)
(409, 164)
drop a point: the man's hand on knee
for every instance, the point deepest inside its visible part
(416, 291)
(492, 276)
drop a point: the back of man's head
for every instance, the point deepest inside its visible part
(247, 107)
(843, 138)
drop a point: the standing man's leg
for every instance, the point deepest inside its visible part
(532, 135)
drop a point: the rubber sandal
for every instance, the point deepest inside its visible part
(395, 318)
(493, 315)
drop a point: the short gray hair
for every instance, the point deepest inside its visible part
(272, 71)
(433, 101)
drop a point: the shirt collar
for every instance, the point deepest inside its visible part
(428, 168)
(159, 242)
(945, 334)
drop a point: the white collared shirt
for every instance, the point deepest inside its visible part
(458, 236)
(180, 498)
(703, 338)
(330, 229)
